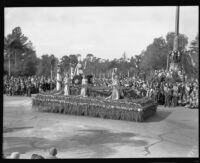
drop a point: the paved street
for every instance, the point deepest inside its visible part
(172, 132)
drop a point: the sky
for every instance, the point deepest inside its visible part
(105, 32)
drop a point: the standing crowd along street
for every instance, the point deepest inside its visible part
(164, 92)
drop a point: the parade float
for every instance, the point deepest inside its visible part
(79, 97)
(75, 94)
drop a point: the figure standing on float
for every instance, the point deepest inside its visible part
(84, 87)
(79, 68)
(115, 86)
(66, 85)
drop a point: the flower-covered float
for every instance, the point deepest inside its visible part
(80, 97)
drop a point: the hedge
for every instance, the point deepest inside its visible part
(123, 109)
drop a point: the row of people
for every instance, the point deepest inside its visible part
(167, 93)
(27, 85)
(163, 91)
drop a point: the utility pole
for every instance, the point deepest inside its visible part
(175, 45)
(176, 29)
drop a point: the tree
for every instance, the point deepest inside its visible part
(123, 58)
(182, 41)
(65, 63)
(113, 64)
(44, 67)
(187, 64)
(53, 61)
(194, 51)
(193, 57)
(29, 65)
(155, 56)
(15, 45)
(132, 66)
(73, 60)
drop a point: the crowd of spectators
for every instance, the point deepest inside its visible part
(163, 91)
(25, 86)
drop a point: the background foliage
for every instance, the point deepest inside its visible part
(24, 61)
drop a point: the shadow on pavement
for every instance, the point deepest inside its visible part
(5, 129)
(89, 143)
(159, 116)
(98, 140)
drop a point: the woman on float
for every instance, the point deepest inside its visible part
(66, 84)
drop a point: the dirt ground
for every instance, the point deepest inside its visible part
(172, 132)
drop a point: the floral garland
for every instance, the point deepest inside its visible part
(97, 107)
(131, 102)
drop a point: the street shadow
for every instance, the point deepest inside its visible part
(88, 143)
(6, 129)
(98, 141)
(160, 115)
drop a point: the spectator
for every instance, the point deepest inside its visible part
(36, 156)
(170, 95)
(14, 155)
(52, 153)
(166, 93)
(26, 85)
(175, 95)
